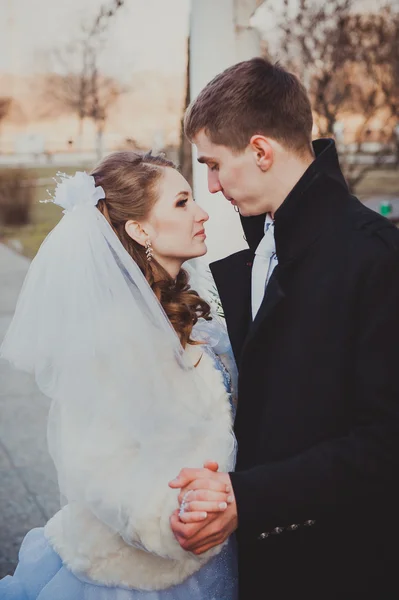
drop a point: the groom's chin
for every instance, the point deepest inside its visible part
(247, 212)
(244, 211)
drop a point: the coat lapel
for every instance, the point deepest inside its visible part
(232, 276)
(273, 296)
(233, 280)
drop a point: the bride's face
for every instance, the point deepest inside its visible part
(175, 225)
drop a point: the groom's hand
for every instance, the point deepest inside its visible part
(217, 527)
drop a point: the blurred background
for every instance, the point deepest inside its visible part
(81, 79)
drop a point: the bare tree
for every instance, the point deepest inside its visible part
(313, 44)
(328, 46)
(373, 65)
(66, 93)
(382, 61)
(81, 88)
(374, 38)
(5, 105)
(104, 92)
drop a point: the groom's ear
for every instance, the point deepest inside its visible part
(262, 151)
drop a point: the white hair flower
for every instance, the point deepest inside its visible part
(76, 190)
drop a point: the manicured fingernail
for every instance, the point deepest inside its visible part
(230, 499)
(228, 488)
(223, 505)
(203, 515)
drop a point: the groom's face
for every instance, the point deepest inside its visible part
(235, 174)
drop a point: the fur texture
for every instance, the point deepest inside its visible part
(116, 529)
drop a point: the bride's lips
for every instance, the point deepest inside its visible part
(201, 234)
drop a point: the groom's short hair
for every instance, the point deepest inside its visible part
(254, 96)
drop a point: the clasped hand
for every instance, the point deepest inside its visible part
(210, 511)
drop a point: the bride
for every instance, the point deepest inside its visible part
(141, 377)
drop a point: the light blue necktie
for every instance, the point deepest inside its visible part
(263, 265)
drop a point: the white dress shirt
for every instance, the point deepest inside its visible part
(264, 263)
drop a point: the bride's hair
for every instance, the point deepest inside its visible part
(130, 180)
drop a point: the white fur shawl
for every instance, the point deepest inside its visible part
(116, 530)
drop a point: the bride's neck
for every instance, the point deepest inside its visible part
(172, 267)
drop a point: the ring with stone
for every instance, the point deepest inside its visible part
(183, 504)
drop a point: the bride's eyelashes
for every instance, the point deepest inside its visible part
(182, 203)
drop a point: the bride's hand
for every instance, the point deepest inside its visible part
(195, 504)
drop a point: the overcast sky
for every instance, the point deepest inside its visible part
(146, 34)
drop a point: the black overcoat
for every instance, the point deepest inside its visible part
(318, 397)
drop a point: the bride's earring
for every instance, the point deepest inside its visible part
(148, 250)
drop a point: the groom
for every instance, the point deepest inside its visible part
(312, 310)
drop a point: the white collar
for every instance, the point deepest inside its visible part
(268, 221)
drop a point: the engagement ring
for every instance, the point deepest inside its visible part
(183, 504)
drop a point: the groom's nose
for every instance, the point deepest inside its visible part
(213, 182)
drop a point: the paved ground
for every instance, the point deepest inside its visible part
(28, 491)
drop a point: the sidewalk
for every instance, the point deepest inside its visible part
(28, 490)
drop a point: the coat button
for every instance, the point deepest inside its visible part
(293, 527)
(263, 536)
(277, 530)
(309, 523)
